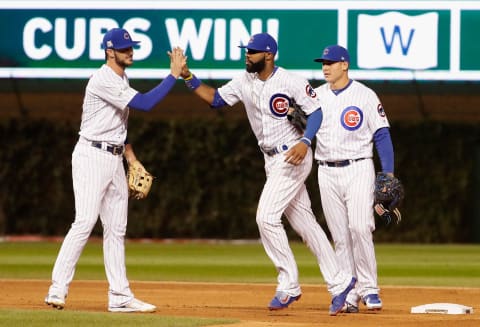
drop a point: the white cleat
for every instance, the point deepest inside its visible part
(373, 302)
(134, 306)
(57, 302)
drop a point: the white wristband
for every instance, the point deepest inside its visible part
(306, 141)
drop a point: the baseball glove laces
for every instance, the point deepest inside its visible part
(389, 195)
(139, 180)
(297, 116)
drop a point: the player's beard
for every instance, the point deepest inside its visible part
(256, 67)
(124, 63)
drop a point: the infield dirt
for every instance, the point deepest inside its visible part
(248, 303)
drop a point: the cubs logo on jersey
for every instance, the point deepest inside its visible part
(279, 104)
(310, 91)
(351, 118)
(380, 110)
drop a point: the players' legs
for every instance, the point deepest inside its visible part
(113, 214)
(300, 215)
(90, 178)
(332, 191)
(283, 183)
(362, 224)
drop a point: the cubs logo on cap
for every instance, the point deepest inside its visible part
(261, 42)
(117, 39)
(334, 53)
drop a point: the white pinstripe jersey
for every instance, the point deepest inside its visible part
(350, 119)
(267, 102)
(105, 110)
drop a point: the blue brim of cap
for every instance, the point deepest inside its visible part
(131, 44)
(125, 46)
(254, 48)
(326, 59)
(247, 47)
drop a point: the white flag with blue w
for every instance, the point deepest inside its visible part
(396, 40)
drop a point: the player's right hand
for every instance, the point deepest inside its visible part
(185, 72)
(296, 154)
(177, 61)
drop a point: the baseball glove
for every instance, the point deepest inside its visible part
(139, 180)
(389, 194)
(297, 116)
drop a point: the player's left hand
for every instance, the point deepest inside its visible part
(296, 154)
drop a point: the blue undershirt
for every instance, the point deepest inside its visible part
(218, 101)
(314, 120)
(147, 101)
(383, 144)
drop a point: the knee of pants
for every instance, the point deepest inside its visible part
(362, 231)
(341, 244)
(267, 222)
(118, 230)
(83, 226)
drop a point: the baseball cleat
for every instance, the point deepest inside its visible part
(339, 300)
(373, 302)
(350, 308)
(134, 306)
(55, 301)
(282, 301)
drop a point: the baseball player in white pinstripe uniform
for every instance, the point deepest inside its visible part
(353, 120)
(99, 181)
(267, 92)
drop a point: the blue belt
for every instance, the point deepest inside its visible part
(113, 149)
(275, 150)
(342, 163)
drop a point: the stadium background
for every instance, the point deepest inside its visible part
(209, 170)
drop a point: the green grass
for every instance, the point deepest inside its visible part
(398, 264)
(429, 265)
(49, 318)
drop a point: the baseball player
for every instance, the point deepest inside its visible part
(353, 120)
(99, 181)
(267, 92)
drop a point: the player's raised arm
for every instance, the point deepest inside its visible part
(147, 101)
(205, 92)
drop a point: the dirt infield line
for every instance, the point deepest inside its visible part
(247, 302)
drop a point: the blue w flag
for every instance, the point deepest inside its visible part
(396, 40)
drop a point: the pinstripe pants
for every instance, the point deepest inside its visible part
(347, 202)
(285, 192)
(100, 189)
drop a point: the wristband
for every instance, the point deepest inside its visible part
(192, 82)
(306, 140)
(189, 77)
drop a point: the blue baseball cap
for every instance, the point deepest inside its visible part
(261, 42)
(334, 53)
(117, 39)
